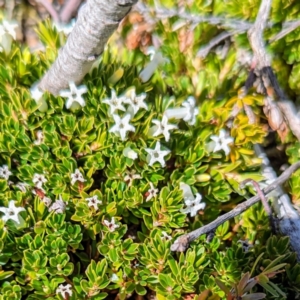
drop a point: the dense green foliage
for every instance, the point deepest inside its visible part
(77, 246)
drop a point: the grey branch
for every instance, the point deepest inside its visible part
(289, 219)
(287, 28)
(203, 51)
(182, 243)
(161, 13)
(255, 35)
(51, 10)
(68, 9)
(97, 20)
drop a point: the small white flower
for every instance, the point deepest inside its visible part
(93, 202)
(193, 205)
(65, 28)
(111, 225)
(64, 289)
(165, 236)
(162, 127)
(131, 175)
(77, 176)
(152, 192)
(4, 172)
(136, 102)
(59, 206)
(22, 186)
(156, 59)
(40, 137)
(8, 28)
(114, 277)
(189, 104)
(188, 112)
(11, 212)
(222, 142)
(39, 180)
(157, 155)
(128, 152)
(74, 94)
(47, 201)
(36, 93)
(122, 126)
(114, 102)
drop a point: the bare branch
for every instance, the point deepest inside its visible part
(51, 10)
(264, 201)
(182, 243)
(68, 9)
(291, 116)
(255, 34)
(161, 13)
(287, 108)
(287, 28)
(289, 219)
(96, 22)
(203, 51)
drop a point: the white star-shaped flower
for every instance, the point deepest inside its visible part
(5, 172)
(74, 94)
(93, 202)
(9, 28)
(111, 225)
(157, 155)
(77, 176)
(192, 110)
(64, 289)
(165, 236)
(39, 180)
(128, 152)
(114, 102)
(36, 93)
(11, 212)
(193, 205)
(135, 102)
(47, 201)
(131, 175)
(122, 126)
(152, 192)
(222, 142)
(114, 277)
(162, 127)
(59, 206)
(188, 112)
(156, 59)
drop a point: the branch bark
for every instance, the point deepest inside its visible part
(263, 60)
(182, 243)
(289, 219)
(97, 20)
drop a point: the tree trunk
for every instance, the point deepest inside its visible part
(97, 20)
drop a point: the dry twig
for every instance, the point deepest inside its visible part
(283, 112)
(287, 28)
(182, 243)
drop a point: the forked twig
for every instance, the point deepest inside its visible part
(182, 242)
(264, 202)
